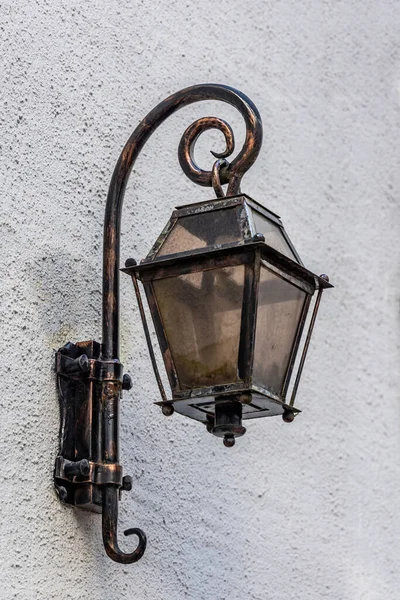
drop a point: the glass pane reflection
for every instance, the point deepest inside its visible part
(280, 307)
(201, 315)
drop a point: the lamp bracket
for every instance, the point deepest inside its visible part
(90, 377)
(87, 385)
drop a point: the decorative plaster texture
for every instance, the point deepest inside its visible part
(307, 511)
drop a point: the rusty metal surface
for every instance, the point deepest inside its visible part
(202, 409)
(90, 378)
(87, 472)
(252, 252)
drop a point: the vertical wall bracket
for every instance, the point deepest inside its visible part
(87, 472)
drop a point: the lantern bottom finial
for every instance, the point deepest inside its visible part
(229, 441)
(228, 421)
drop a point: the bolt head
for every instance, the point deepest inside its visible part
(258, 237)
(130, 262)
(167, 410)
(127, 382)
(127, 483)
(245, 398)
(84, 467)
(84, 363)
(288, 416)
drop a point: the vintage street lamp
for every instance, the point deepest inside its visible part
(229, 299)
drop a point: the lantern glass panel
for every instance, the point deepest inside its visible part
(273, 234)
(280, 307)
(201, 315)
(202, 230)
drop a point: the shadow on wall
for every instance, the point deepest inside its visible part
(65, 292)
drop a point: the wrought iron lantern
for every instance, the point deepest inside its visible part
(229, 297)
(230, 302)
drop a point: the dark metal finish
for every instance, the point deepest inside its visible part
(228, 420)
(126, 483)
(147, 335)
(132, 149)
(90, 377)
(251, 251)
(110, 539)
(229, 441)
(288, 416)
(188, 142)
(258, 237)
(216, 177)
(76, 469)
(78, 364)
(308, 339)
(168, 409)
(127, 382)
(296, 344)
(87, 472)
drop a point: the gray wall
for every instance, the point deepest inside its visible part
(303, 511)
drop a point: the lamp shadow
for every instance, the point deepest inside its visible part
(67, 294)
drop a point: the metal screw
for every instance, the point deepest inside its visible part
(167, 410)
(127, 382)
(84, 467)
(258, 237)
(126, 483)
(288, 416)
(229, 441)
(130, 262)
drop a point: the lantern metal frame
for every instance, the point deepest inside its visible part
(252, 252)
(90, 377)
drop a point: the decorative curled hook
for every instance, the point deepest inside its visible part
(218, 166)
(231, 173)
(188, 142)
(110, 530)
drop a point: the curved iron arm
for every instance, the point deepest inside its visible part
(231, 173)
(222, 172)
(110, 530)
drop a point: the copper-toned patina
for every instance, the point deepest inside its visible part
(90, 377)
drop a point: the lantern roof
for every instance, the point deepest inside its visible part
(218, 223)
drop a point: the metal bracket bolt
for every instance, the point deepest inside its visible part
(127, 382)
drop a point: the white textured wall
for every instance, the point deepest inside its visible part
(306, 511)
